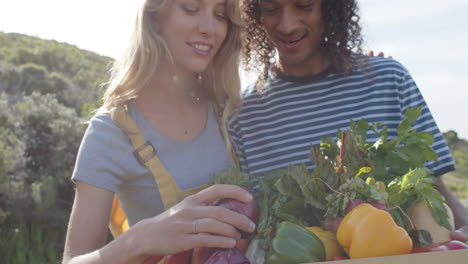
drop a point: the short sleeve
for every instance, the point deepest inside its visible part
(96, 162)
(410, 96)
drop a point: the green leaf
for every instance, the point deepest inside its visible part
(413, 178)
(313, 188)
(378, 195)
(436, 204)
(411, 115)
(397, 217)
(287, 185)
(329, 149)
(233, 176)
(427, 137)
(360, 129)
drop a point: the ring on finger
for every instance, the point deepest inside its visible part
(195, 226)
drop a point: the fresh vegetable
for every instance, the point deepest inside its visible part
(294, 244)
(369, 232)
(243, 244)
(201, 255)
(351, 193)
(393, 158)
(329, 241)
(255, 253)
(184, 257)
(153, 260)
(380, 206)
(248, 209)
(220, 256)
(352, 204)
(422, 219)
(448, 245)
(214, 255)
(333, 224)
(382, 162)
(417, 185)
(179, 258)
(388, 173)
(284, 195)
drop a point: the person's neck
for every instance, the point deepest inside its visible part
(313, 66)
(171, 86)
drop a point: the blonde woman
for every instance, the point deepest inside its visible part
(180, 69)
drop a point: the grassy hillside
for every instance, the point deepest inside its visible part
(458, 181)
(30, 64)
(47, 90)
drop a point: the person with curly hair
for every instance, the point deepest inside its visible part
(334, 33)
(314, 79)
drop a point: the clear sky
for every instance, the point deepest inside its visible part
(429, 37)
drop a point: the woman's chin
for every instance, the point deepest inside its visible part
(196, 66)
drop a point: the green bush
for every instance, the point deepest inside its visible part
(31, 243)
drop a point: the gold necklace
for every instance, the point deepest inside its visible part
(194, 96)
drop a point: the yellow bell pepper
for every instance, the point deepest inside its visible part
(332, 248)
(369, 232)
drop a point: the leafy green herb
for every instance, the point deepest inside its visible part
(233, 176)
(395, 168)
(410, 150)
(281, 198)
(353, 189)
(416, 185)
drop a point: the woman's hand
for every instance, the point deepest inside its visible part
(195, 223)
(460, 234)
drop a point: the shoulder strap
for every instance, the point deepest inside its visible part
(145, 153)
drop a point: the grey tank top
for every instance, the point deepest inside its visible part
(105, 159)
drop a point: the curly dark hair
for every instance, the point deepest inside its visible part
(341, 38)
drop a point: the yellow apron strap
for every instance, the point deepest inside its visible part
(170, 192)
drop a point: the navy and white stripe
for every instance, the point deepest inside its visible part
(277, 129)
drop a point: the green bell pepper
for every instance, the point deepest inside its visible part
(294, 244)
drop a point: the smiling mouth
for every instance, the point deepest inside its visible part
(292, 44)
(293, 41)
(201, 46)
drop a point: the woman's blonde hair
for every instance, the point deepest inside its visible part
(143, 58)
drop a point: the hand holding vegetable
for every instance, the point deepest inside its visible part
(228, 256)
(195, 223)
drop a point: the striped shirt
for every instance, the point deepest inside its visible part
(278, 128)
